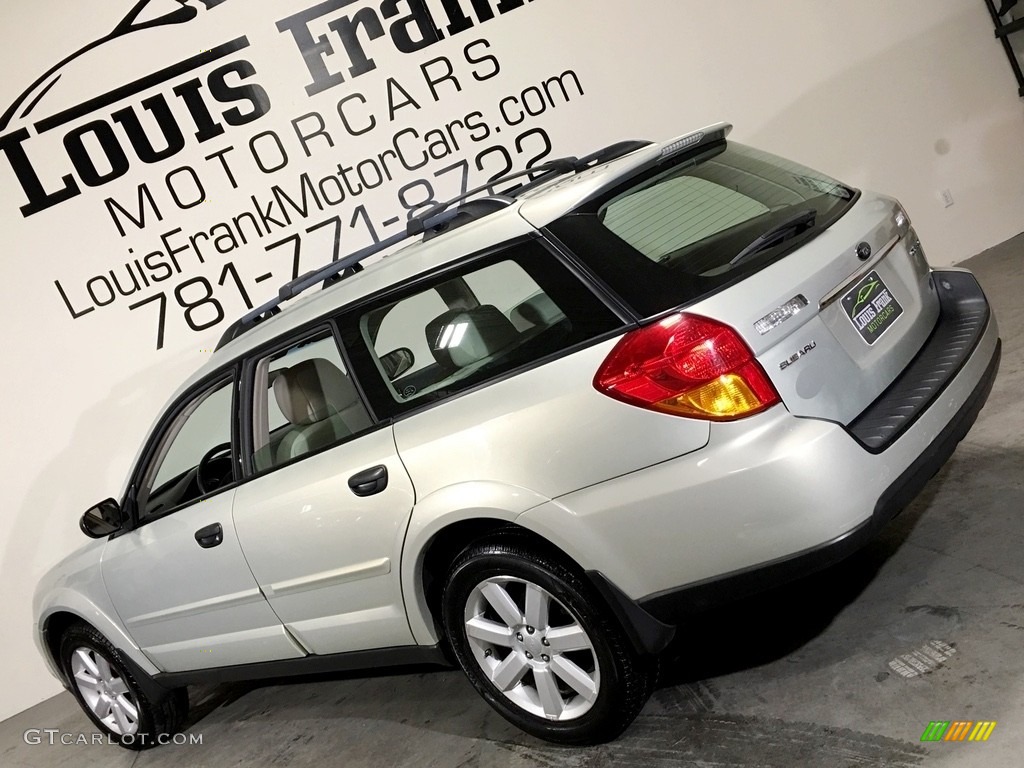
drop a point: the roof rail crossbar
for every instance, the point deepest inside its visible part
(331, 272)
(433, 218)
(468, 211)
(294, 287)
(614, 151)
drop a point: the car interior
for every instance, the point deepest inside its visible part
(304, 400)
(466, 339)
(321, 405)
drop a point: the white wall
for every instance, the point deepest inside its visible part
(908, 98)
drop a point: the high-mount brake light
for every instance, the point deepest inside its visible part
(680, 144)
(689, 366)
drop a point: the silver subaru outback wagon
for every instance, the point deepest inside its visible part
(567, 413)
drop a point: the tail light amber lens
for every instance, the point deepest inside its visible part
(689, 366)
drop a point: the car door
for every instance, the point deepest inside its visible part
(323, 520)
(178, 579)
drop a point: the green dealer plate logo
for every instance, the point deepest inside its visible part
(871, 307)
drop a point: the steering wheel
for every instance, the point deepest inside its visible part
(214, 468)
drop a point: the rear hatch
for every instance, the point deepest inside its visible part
(832, 329)
(828, 287)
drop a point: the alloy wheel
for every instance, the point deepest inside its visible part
(532, 648)
(104, 691)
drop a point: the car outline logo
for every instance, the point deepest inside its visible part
(864, 295)
(134, 21)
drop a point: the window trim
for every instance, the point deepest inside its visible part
(364, 369)
(240, 369)
(227, 375)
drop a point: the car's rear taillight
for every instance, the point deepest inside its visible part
(687, 365)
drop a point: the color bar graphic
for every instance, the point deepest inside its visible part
(958, 730)
(982, 731)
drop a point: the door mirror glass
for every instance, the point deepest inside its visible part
(102, 520)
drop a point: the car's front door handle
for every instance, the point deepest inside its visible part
(210, 536)
(369, 481)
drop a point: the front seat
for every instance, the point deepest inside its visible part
(322, 405)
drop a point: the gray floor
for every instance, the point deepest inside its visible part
(843, 669)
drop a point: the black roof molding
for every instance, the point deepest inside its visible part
(431, 223)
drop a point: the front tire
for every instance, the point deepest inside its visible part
(541, 648)
(110, 694)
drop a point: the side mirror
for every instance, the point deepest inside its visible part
(102, 520)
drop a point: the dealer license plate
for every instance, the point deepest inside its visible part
(871, 307)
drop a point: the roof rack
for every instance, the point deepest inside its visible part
(435, 219)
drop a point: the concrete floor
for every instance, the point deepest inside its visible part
(813, 674)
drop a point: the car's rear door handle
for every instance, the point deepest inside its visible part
(369, 481)
(210, 536)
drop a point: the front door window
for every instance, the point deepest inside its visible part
(194, 457)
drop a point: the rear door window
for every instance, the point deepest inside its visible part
(304, 401)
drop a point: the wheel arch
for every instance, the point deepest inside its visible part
(51, 630)
(431, 548)
(450, 541)
(67, 608)
(55, 625)
(442, 525)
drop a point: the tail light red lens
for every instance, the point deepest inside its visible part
(687, 365)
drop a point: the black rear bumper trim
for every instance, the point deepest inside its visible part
(963, 318)
(914, 478)
(669, 605)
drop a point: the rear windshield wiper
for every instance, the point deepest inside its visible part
(791, 227)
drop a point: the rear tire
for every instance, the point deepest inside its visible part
(102, 682)
(540, 646)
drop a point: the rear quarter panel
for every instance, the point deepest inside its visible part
(513, 445)
(546, 429)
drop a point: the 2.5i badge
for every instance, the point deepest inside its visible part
(871, 307)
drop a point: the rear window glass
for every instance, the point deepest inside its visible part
(677, 212)
(697, 224)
